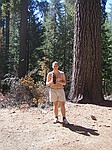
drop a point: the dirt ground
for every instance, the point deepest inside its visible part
(90, 128)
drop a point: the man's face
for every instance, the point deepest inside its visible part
(55, 67)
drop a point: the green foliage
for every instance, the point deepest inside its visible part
(50, 37)
(106, 55)
(110, 20)
(5, 8)
(14, 35)
(35, 37)
(103, 7)
(58, 35)
(35, 32)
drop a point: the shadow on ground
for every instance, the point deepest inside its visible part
(105, 103)
(81, 130)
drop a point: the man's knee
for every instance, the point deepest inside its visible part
(56, 103)
(62, 104)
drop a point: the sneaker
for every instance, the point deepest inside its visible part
(65, 121)
(55, 120)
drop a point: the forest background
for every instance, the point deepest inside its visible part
(35, 33)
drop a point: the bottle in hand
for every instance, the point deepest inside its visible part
(54, 78)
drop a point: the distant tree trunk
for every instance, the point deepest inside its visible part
(64, 43)
(0, 52)
(7, 27)
(6, 63)
(86, 84)
(0, 34)
(0, 27)
(23, 39)
(1, 71)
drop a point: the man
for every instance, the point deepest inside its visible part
(56, 80)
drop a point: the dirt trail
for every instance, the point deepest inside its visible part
(32, 129)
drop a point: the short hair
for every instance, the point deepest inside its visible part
(55, 62)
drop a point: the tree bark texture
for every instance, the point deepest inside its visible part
(7, 37)
(7, 28)
(0, 37)
(23, 39)
(86, 84)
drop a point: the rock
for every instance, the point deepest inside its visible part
(93, 117)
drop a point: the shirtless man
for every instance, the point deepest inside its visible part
(56, 80)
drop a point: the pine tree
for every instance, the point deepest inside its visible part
(86, 84)
(23, 54)
(106, 51)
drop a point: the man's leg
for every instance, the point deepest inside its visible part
(63, 111)
(55, 112)
(56, 109)
(62, 105)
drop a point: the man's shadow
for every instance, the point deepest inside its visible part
(81, 130)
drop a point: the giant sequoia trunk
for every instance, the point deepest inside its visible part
(23, 40)
(86, 82)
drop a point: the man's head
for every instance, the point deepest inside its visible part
(55, 65)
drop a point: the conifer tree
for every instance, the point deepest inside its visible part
(86, 84)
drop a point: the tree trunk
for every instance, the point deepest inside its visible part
(0, 37)
(0, 52)
(6, 64)
(23, 39)
(1, 26)
(7, 29)
(86, 84)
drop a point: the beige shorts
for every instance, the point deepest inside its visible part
(57, 95)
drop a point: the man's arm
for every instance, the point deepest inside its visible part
(49, 81)
(62, 81)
